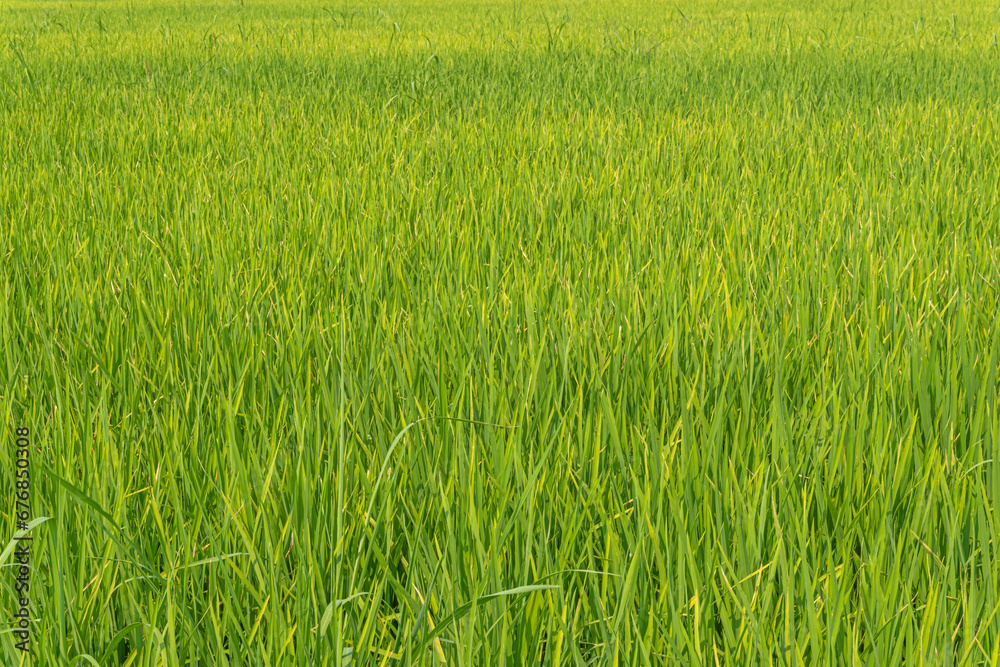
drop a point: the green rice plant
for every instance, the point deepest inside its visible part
(551, 333)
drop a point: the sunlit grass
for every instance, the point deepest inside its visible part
(534, 333)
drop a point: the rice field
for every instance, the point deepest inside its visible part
(503, 333)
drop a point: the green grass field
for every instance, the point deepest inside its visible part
(512, 333)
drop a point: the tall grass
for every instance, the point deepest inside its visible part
(524, 333)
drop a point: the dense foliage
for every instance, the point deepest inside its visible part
(676, 325)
